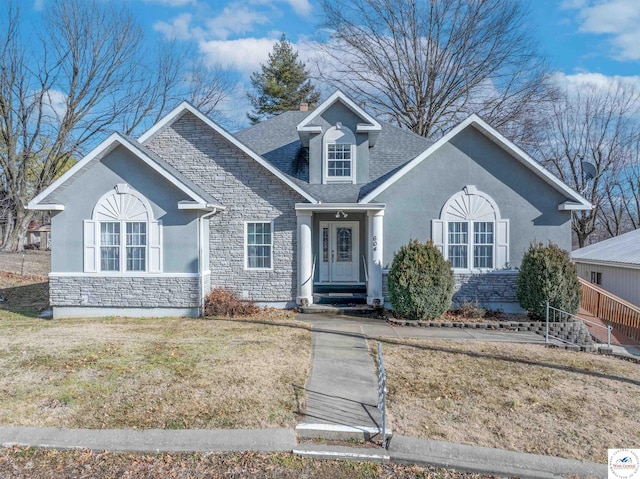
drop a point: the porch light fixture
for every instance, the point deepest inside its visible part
(344, 215)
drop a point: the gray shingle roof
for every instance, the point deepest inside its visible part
(277, 141)
(619, 249)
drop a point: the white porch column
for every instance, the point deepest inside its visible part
(374, 257)
(305, 258)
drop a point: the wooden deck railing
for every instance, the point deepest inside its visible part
(621, 314)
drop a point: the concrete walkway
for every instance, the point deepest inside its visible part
(402, 450)
(341, 390)
(151, 440)
(376, 328)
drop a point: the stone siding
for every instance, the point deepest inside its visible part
(493, 287)
(485, 288)
(126, 292)
(249, 192)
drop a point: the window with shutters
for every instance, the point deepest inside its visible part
(122, 236)
(470, 232)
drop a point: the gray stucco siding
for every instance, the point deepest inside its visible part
(328, 119)
(249, 192)
(529, 203)
(81, 193)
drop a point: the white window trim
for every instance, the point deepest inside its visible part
(246, 245)
(470, 244)
(466, 211)
(328, 140)
(92, 246)
(325, 170)
(122, 247)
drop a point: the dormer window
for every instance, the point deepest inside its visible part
(339, 155)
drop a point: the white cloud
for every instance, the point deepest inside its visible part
(581, 81)
(179, 28)
(54, 106)
(618, 19)
(301, 7)
(235, 20)
(244, 54)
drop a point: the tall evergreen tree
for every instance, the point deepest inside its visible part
(281, 85)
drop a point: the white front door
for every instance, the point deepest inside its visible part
(339, 251)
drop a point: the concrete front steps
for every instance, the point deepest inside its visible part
(348, 300)
(340, 309)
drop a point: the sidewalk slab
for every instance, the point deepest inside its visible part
(319, 451)
(151, 440)
(411, 450)
(342, 388)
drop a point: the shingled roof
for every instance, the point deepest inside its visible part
(277, 141)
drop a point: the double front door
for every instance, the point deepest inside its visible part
(339, 252)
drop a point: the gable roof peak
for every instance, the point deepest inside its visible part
(185, 106)
(370, 124)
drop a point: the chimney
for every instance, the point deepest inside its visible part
(304, 107)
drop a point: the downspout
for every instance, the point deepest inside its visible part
(201, 265)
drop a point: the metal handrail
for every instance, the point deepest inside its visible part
(565, 314)
(382, 396)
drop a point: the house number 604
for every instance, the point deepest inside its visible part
(374, 242)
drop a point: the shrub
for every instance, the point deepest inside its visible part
(469, 310)
(547, 274)
(420, 282)
(222, 302)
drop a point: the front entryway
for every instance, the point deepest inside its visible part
(339, 252)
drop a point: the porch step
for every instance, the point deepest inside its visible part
(340, 297)
(337, 309)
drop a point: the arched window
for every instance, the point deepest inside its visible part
(122, 235)
(470, 232)
(339, 154)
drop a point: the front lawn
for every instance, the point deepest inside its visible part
(513, 396)
(151, 373)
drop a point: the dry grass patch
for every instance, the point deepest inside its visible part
(40, 464)
(31, 263)
(514, 396)
(151, 373)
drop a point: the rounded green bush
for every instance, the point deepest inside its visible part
(420, 282)
(547, 274)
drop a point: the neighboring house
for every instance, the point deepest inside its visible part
(38, 236)
(613, 264)
(306, 202)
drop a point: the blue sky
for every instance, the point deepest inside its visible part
(584, 39)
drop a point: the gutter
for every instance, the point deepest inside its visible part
(201, 265)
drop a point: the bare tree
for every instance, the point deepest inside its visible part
(85, 73)
(598, 125)
(428, 64)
